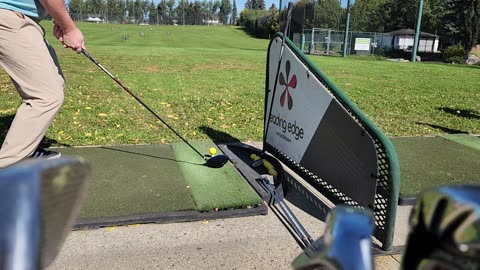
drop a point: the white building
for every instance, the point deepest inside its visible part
(403, 40)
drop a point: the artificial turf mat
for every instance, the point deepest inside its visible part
(213, 188)
(465, 139)
(132, 180)
(427, 162)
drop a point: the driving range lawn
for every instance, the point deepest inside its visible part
(204, 77)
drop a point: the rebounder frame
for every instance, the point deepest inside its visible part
(381, 194)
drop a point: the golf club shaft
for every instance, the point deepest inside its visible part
(307, 240)
(285, 32)
(281, 201)
(85, 52)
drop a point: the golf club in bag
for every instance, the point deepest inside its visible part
(216, 161)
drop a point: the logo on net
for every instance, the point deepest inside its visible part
(290, 84)
(286, 99)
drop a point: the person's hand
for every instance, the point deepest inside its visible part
(70, 38)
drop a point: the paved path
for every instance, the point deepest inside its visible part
(259, 242)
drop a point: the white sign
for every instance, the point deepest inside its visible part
(298, 107)
(362, 44)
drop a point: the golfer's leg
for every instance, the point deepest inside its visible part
(33, 67)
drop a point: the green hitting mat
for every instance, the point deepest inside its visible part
(139, 183)
(427, 162)
(465, 139)
(221, 188)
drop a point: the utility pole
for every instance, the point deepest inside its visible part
(417, 31)
(345, 38)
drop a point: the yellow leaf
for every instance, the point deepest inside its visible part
(102, 114)
(109, 229)
(61, 132)
(88, 108)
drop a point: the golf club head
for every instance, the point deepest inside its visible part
(445, 230)
(217, 161)
(346, 243)
(39, 201)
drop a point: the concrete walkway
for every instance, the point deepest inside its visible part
(259, 242)
(256, 242)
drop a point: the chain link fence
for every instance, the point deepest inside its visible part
(147, 19)
(330, 42)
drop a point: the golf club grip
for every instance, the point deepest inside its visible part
(85, 52)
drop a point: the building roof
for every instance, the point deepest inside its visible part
(410, 32)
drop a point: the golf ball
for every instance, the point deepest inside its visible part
(267, 165)
(213, 151)
(272, 172)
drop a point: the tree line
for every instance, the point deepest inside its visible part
(182, 12)
(455, 21)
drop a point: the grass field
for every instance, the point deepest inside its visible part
(199, 77)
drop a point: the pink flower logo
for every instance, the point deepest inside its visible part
(292, 83)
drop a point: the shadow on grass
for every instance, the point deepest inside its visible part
(469, 114)
(444, 129)
(150, 156)
(6, 121)
(244, 29)
(218, 136)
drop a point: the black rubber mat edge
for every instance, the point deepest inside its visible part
(407, 200)
(169, 217)
(394, 251)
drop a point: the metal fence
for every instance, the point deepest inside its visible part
(152, 20)
(330, 42)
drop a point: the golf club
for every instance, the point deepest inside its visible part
(216, 161)
(345, 245)
(285, 32)
(441, 226)
(290, 216)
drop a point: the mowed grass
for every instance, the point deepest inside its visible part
(199, 77)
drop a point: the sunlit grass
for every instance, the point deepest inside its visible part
(214, 77)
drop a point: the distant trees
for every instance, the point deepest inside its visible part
(456, 21)
(461, 22)
(255, 4)
(234, 13)
(165, 12)
(225, 10)
(257, 20)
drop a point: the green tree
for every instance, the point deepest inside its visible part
(162, 11)
(328, 14)
(76, 9)
(255, 4)
(462, 22)
(234, 13)
(182, 10)
(365, 16)
(152, 13)
(225, 10)
(171, 9)
(215, 7)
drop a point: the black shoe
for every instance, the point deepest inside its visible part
(46, 154)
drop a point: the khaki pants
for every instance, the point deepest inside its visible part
(32, 65)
